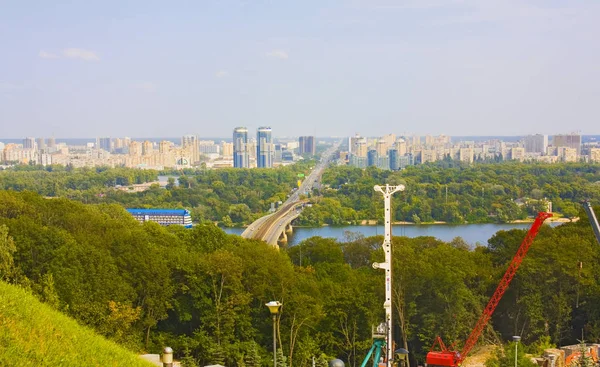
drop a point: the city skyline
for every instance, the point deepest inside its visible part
(390, 151)
(493, 68)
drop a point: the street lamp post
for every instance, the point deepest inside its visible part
(401, 357)
(516, 339)
(274, 307)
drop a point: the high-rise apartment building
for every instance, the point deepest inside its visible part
(517, 154)
(389, 139)
(372, 158)
(29, 143)
(135, 148)
(41, 144)
(429, 140)
(568, 140)
(103, 143)
(393, 158)
(567, 154)
(352, 141)
(241, 158)
(164, 146)
(360, 148)
(252, 152)
(147, 148)
(226, 149)
(466, 155)
(381, 148)
(209, 147)
(192, 145)
(264, 148)
(357, 155)
(306, 145)
(117, 143)
(51, 143)
(536, 143)
(442, 140)
(401, 146)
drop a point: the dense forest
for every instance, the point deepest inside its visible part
(229, 196)
(446, 191)
(455, 193)
(203, 292)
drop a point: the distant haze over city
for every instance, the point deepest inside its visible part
(111, 68)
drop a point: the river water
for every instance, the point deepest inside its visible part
(471, 233)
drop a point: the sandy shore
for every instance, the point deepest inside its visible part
(558, 220)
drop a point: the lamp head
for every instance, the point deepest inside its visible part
(274, 307)
(167, 355)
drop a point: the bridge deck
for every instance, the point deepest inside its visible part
(267, 227)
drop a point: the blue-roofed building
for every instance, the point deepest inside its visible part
(164, 217)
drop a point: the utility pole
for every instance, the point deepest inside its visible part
(446, 194)
(387, 192)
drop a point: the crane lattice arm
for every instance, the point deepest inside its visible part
(504, 283)
(593, 220)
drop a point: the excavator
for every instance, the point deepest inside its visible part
(447, 357)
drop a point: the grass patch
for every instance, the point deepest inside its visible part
(34, 334)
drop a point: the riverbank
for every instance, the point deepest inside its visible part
(473, 234)
(553, 219)
(371, 222)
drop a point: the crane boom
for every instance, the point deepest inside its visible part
(592, 217)
(504, 283)
(447, 357)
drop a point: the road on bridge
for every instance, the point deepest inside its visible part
(269, 227)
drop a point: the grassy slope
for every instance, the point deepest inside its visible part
(33, 334)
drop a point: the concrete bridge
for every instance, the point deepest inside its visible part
(274, 228)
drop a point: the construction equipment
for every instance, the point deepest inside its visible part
(592, 217)
(379, 335)
(453, 358)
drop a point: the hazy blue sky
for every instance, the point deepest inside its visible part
(159, 68)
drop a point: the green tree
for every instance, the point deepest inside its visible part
(505, 357)
(281, 358)
(252, 357)
(7, 249)
(584, 358)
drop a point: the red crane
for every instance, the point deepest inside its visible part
(453, 358)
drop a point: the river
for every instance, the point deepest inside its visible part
(471, 233)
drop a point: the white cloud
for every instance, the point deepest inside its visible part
(80, 53)
(146, 87)
(47, 55)
(222, 74)
(279, 54)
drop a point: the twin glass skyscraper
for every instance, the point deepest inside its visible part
(241, 157)
(264, 148)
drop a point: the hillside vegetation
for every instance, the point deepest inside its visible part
(33, 334)
(203, 292)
